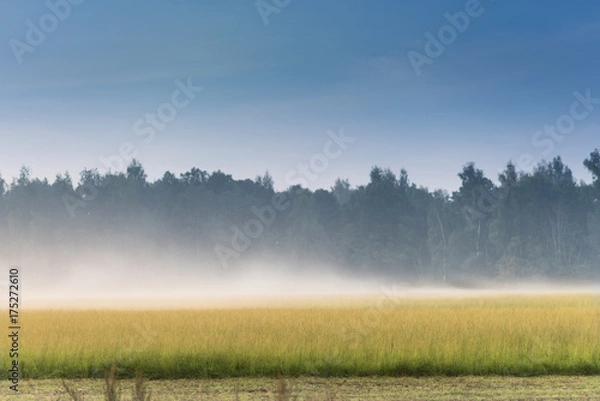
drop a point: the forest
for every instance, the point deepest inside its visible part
(530, 225)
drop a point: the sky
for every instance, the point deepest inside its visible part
(309, 90)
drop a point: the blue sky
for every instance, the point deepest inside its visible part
(272, 92)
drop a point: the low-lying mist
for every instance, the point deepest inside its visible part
(103, 281)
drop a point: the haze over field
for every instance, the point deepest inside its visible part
(156, 287)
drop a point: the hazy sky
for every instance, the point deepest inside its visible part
(272, 92)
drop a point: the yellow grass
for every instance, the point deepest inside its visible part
(514, 335)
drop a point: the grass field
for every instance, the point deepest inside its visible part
(510, 335)
(546, 388)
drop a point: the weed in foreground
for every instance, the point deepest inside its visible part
(75, 395)
(112, 391)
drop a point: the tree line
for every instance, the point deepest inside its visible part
(538, 224)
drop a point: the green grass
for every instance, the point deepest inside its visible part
(510, 336)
